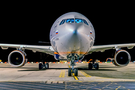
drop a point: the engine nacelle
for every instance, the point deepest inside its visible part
(17, 58)
(121, 58)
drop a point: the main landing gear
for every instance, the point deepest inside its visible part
(91, 65)
(43, 66)
(72, 69)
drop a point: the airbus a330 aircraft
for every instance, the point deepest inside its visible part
(72, 37)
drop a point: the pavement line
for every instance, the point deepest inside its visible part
(117, 88)
(69, 66)
(86, 75)
(62, 74)
(75, 77)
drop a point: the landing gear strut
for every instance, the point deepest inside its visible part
(43, 65)
(91, 65)
(72, 64)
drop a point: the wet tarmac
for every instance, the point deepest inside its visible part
(67, 86)
(107, 77)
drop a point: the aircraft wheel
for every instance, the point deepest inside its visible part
(47, 65)
(69, 72)
(40, 66)
(90, 66)
(76, 72)
(96, 66)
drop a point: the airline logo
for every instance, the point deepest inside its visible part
(90, 32)
(57, 32)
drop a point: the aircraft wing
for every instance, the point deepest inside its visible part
(34, 48)
(49, 49)
(102, 48)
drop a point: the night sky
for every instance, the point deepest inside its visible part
(30, 22)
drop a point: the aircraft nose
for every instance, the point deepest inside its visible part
(75, 29)
(73, 37)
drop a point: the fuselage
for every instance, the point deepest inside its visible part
(72, 33)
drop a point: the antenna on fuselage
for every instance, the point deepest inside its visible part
(43, 42)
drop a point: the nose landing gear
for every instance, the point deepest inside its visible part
(70, 71)
(72, 64)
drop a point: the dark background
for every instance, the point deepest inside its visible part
(30, 22)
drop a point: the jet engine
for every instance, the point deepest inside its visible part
(17, 58)
(121, 58)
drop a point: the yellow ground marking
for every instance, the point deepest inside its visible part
(69, 66)
(86, 75)
(75, 77)
(62, 74)
(117, 88)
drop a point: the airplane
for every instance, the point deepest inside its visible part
(72, 36)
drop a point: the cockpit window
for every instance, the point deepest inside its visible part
(70, 20)
(78, 20)
(62, 22)
(85, 21)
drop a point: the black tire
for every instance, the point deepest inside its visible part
(76, 72)
(96, 66)
(69, 72)
(40, 66)
(90, 66)
(47, 65)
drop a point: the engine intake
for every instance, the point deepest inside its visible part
(122, 58)
(17, 58)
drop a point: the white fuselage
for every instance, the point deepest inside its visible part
(72, 33)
